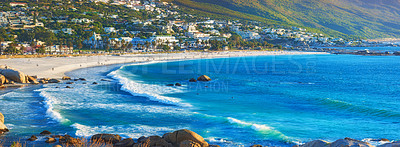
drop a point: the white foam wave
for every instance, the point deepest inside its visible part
(48, 103)
(132, 131)
(264, 129)
(217, 140)
(124, 108)
(147, 90)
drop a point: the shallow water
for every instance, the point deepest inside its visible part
(269, 100)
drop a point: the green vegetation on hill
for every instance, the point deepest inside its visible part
(349, 19)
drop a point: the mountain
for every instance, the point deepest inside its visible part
(339, 18)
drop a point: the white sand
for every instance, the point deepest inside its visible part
(55, 67)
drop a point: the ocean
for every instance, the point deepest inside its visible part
(269, 100)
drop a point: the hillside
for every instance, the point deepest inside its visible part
(341, 18)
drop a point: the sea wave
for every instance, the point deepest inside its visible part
(48, 103)
(132, 131)
(358, 108)
(263, 129)
(153, 92)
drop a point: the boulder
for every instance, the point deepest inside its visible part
(69, 83)
(204, 78)
(68, 87)
(31, 79)
(394, 144)
(189, 143)
(50, 140)
(178, 84)
(54, 81)
(33, 138)
(43, 82)
(70, 141)
(152, 141)
(316, 143)
(45, 132)
(108, 138)
(128, 142)
(192, 80)
(13, 74)
(3, 127)
(1, 118)
(82, 79)
(2, 79)
(65, 78)
(181, 135)
(170, 84)
(348, 142)
(94, 83)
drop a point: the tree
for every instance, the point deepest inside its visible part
(79, 45)
(41, 50)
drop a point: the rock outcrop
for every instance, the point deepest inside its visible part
(3, 127)
(192, 80)
(2, 79)
(70, 141)
(66, 78)
(316, 143)
(13, 74)
(204, 78)
(128, 142)
(177, 137)
(393, 144)
(348, 142)
(152, 141)
(108, 138)
(45, 132)
(33, 138)
(53, 81)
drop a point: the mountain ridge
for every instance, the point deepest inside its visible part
(338, 18)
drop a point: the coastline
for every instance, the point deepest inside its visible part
(56, 67)
(311, 143)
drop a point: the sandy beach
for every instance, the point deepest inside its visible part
(55, 67)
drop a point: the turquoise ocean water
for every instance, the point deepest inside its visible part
(269, 100)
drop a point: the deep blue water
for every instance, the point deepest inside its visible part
(269, 100)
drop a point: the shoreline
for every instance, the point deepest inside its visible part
(56, 67)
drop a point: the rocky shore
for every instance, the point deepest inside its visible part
(179, 138)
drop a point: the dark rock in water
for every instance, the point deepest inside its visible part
(57, 87)
(68, 87)
(349, 142)
(33, 138)
(204, 78)
(256, 145)
(50, 140)
(177, 137)
(178, 84)
(84, 83)
(152, 141)
(70, 83)
(170, 84)
(82, 79)
(94, 83)
(66, 78)
(192, 80)
(316, 143)
(76, 79)
(45, 132)
(108, 138)
(4, 130)
(70, 141)
(384, 139)
(54, 81)
(43, 82)
(105, 80)
(125, 143)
